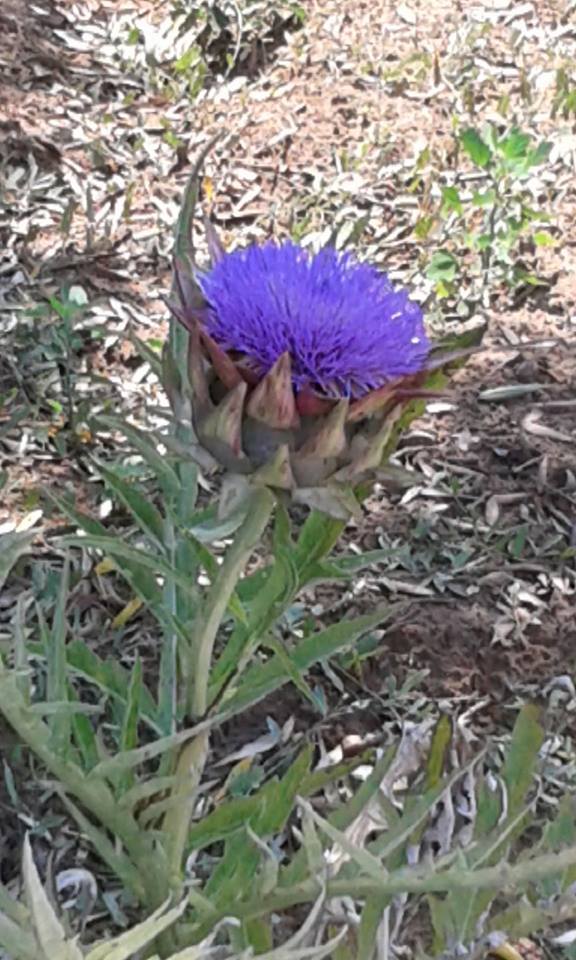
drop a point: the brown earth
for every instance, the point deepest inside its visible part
(324, 126)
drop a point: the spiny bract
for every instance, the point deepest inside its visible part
(300, 366)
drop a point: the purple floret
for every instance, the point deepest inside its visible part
(345, 326)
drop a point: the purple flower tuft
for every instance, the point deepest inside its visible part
(345, 326)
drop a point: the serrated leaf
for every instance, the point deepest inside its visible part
(265, 811)
(147, 517)
(273, 805)
(18, 942)
(145, 790)
(47, 927)
(208, 527)
(317, 538)
(120, 762)
(110, 852)
(222, 822)
(206, 559)
(128, 944)
(441, 923)
(140, 570)
(145, 444)
(370, 865)
(111, 677)
(83, 520)
(275, 586)
(372, 916)
(273, 816)
(351, 563)
(85, 740)
(312, 845)
(413, 818)
(276, 646)
(343, 816)
(262, 679)
(258, 935)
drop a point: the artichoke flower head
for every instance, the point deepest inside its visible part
(299, 364)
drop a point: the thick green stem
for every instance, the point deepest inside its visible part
(317, 538)
(247, 537)
(192, 757)
(177, 820)
(502, 876)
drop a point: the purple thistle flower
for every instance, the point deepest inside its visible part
(346, 328)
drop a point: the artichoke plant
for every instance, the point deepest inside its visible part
(300, 366)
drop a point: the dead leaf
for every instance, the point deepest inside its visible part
(531, 424)
(406, 14)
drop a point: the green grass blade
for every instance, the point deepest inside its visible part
(54, 642)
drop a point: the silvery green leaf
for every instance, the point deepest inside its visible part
(127, 944)
(47, 927)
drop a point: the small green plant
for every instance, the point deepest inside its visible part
(487, 214)
(190, 46)
(47, 359)
(236, 35)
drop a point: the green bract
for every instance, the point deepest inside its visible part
(301, 370)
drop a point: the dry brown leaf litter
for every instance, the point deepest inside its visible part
(324, 133)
